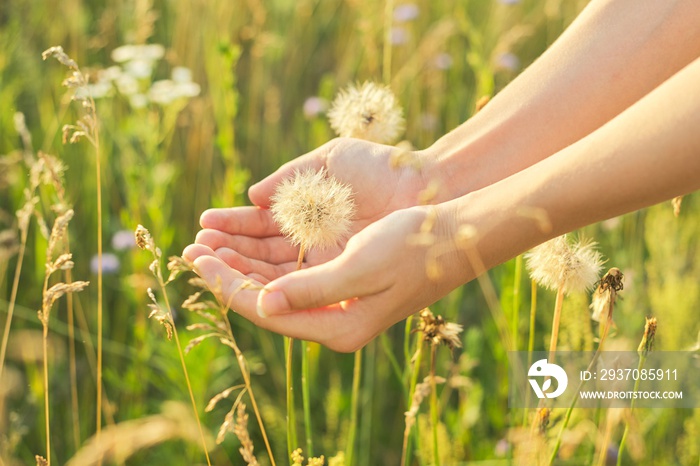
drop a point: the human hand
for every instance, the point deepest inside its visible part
(248, 240)
(378, 279)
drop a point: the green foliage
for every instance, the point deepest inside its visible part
(257, 63)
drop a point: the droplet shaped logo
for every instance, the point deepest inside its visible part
(549, 371)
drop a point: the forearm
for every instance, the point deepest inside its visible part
(647, 154)
(611, 56)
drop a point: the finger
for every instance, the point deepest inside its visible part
(247, 266)
(339, 280)
(249, 221)
(342, 327)
(234, 289)
(261, 192)
(330, 326)
(274, 249)
(193, 251)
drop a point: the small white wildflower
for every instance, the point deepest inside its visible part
(558, 264)
(406, 12)
(313, 210)
(181, 74)
(126, 53)
(368, 111)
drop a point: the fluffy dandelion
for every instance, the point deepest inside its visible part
(368, 111)
(559, 265)
(313, 210)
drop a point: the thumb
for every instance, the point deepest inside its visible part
(261, 192)
(320, 286)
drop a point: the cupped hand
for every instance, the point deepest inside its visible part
(248, 240)
(378, 279)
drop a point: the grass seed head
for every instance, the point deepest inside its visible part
(313, 210)
(368, 111)
(647, 343)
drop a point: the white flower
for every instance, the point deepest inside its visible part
(313, 210)
(558, 264)
(368, 111)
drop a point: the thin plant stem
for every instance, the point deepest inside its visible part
(291, 418)
(393, 362)
(246, 378)
(180, 353)
(354, 401)
(45, 345)
(306, 396)
(305, 373)
(555, 323)
(72, 369)
(517, 278)
(387, 46)
(602, 456)
(567, 417)
(435, 418)
(13, 299)
(189, 390)
(531, 339)
(405, 453)
(44, 318)
(640, 365)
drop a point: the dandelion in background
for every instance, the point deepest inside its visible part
(368, 111)
(559, 265)
(313, 210)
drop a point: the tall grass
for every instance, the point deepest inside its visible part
(163, 164)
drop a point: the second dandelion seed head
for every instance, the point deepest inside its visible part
(313, 209)
(367, 111)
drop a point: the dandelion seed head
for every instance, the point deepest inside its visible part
(313, 210)
(557, 263)
(368, 111)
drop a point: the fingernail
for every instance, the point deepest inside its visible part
(271, 303)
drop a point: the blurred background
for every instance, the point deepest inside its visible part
(225, 92)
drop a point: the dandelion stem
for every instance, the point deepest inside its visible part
(354, 401)
(300, 261)
(555, 323)
(405, 454)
